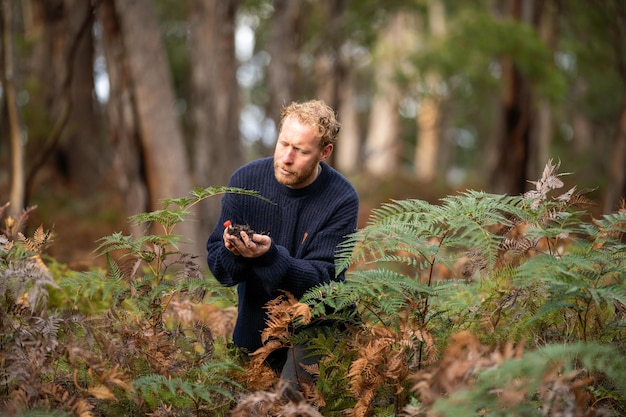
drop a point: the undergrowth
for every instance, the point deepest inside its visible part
(480, 305)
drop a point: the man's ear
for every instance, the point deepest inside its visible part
(328, 149)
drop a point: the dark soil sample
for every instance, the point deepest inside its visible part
(236, 229)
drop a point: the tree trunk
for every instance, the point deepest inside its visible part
(509, 175)
(428, 115)
(57, 31)
(383, 143)
(123, 130)
(215, 101)
(543, 129)
(17, 198)
(616, 189)
(330, 68)
(165, 163)
(82, 145)
(348, 148)
(284, 45)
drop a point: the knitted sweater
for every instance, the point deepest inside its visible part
(305, 225)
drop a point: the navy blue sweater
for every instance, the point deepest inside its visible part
(305, 225)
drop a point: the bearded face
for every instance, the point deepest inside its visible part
(297, 154)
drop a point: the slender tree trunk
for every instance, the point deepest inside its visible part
(616, 189)
(348, 148)
(82, 145)
(543, 130)
(428, 115)
(17, 199)
(215, 101)
(284, 45)
(383, 142)
(330, 70)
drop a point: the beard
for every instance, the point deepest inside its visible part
(294, 178)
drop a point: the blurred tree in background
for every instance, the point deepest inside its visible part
(126, 102)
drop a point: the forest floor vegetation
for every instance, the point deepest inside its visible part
(474, 304)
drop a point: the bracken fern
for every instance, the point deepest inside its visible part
(533, 269)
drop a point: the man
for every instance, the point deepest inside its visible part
(313, 209)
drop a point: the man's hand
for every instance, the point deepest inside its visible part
(247, 243)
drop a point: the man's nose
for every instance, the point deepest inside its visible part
(288, 156)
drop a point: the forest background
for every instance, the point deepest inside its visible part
(109, 106)
(508, 301)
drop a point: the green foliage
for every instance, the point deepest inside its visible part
(146, 275)
(532, 269)
(483, 302)
(151, 270)
(477, 40)
(206, 389)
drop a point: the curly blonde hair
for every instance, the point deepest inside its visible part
(317, 114)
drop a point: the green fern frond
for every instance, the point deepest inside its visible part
(199, 194)
(380, 293)
(92, 291)
(117, 241)
(471, 220)
(209, 384)
(165, 217)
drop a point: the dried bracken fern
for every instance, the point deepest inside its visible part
(272, 404)
(549, 181)
(509, 379)
(460, 362)
(11, 227)
(34, 340)
(283, 312)
(384, 360)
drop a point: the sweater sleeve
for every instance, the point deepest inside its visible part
(278, 269)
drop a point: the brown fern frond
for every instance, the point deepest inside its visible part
(381, 360)
(579, 199)
(362, 406)
(259, 375)
(129, 267)
(159, 351)
(549, 179)
(520, 246)
(283, 311)
(259, 404)
(17, 402)
(204, 336)
(64, 400)
(474, 262)
(464, 358)
(115, 378)
(12, 227)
